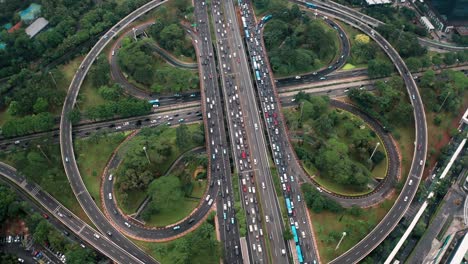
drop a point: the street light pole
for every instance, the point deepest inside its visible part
(146, 154)
(134, 33)
(43, 153)
(341, 239)
(444, 101)
(401, 31)
(53, 79)
(375, 149)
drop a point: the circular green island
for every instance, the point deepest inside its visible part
(166, 167)
(336, 148)
(294, 42)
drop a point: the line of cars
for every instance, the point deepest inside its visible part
(234, 114)
(270, 108)
(220, 166)
(229, 60)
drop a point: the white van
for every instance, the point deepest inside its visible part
(110, 196)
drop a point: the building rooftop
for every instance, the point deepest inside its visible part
(36, 27)
(30, 13)
(15, 27)
(378, 2)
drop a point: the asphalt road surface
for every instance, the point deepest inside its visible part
(217, 139)
(74, 223)
(66, 142)
(388, 223)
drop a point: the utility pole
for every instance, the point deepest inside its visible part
(53, 79)
(302, 106)
(375, 149)
(134, 33)
(401, 31)
(440, 108)
(43, 153)
(146, 153)
(341, 239)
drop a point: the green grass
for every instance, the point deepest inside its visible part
(92, 155)
(167, 252)
(405, 139)
(174, 214)
(380, 171)
(348, 66)
(333, 186)
(88, 96)
(355, 227)
(91, 97)
(5, 116)
(266, 10)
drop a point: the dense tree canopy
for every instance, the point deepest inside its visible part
(137, 59)
(333, 143)
(388, 107)
(295, 43)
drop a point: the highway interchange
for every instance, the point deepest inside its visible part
(388, 223)
(256, 140)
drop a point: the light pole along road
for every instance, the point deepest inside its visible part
(66, 140)
(388, 223)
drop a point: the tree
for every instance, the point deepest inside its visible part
(41, 232)
(78, 255)
(74, 116)
(450, 58)
(287, 235)
(182, 136)
(414, 64)
(41, 105)
(6, 198)
(419, 229)
(99, 72)
(165, 192)
(379, 68)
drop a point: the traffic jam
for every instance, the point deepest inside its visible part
(228, 59)
(270, 109)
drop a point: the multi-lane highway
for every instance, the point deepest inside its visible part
(303, 249)
(264, 219)
(216, 128)
(254, 133)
